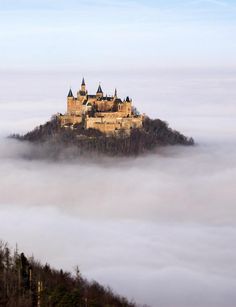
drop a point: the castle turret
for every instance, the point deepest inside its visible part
(99, 93)
(70, 101)
(81, 95)
(70, 94)
(83, 86)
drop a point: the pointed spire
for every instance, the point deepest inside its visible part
(70, 94)
(83, 82)
(115, 93)
(99, 91)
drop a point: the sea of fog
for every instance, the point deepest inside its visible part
(160, 228)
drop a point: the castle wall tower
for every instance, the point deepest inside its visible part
(127, 107)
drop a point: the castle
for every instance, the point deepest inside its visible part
(108, 114)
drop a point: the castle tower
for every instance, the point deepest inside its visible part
(70, 102)
(83, 86)
(127, 107)
(99, 93)
(82, 93)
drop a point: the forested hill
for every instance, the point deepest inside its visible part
(153, 134)
(24, 282)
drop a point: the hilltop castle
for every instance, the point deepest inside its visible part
(108, 114)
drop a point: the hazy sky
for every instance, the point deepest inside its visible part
(85, 35)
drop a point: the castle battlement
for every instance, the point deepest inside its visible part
(108, 114)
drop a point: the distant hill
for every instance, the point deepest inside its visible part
(154, 133)
(25, 282)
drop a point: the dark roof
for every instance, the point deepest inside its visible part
(107, 98)
(99, 91)
(91, 96)
(70, 94)
(118, 100)
(83, 82)
(127, 99)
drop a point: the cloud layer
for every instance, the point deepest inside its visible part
(159, 228)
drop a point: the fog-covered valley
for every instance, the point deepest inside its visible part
(159, 228)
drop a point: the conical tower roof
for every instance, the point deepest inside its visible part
(70, 94)
(83, 82)
(99, 91)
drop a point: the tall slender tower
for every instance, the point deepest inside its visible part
(115, 95)
(83, 86)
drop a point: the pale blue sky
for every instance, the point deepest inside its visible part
(102, 34)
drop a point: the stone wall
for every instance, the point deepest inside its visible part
(111, 124)
(70, 119)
